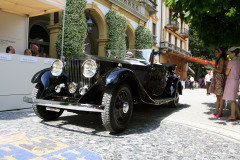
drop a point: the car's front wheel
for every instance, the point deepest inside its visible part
(41, 111)
(118, 104)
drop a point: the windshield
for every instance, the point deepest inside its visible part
(139, 54)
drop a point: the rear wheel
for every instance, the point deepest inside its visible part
(41, 111)
(174, 103)
(118, 108)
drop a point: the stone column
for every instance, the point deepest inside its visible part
(54, 29)
(101, 47)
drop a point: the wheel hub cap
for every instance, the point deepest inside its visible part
(125, 107)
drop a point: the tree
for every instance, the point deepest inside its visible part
(199, 52)
(144, 38)
(117, 25)
(217, 22)
(75, 31)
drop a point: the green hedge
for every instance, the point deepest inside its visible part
(75, 31)
(144, 38)
(117, 25)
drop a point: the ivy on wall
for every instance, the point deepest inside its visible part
(144, 38)
(75, 31)
(117, 25)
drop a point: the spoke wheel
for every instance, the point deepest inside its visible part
(41, 111)
(118, 108)
(175, 101)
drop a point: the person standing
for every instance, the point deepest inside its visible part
(218, 80)
(207, 81)
(191, 82)
(27, 52)
(232, 83)
(10, 49)
(34, 49)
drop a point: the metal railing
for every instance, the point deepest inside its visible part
(172, 22)
(154, 40)
(184, 31)
(151, 4)
(171, 47)
(133, 6)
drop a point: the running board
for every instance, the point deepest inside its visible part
(162, 101)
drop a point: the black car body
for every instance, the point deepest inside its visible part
(110, 85)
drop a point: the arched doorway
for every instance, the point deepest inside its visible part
(92, 36)
(39, 35)
(130, 36)
(101, 26)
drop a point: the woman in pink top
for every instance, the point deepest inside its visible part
(232, 83)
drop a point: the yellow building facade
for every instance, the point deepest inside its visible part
(168, 35)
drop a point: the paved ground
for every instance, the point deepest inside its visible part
(155, 132)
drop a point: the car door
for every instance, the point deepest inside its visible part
(156, 77)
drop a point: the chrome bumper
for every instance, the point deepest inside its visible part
(64, 105)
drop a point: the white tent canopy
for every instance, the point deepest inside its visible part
(30, 8)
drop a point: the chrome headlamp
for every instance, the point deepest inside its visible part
(89, 68)
(72, 87)
(57, 68)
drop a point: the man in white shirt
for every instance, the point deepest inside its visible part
(207, 81)
(191, 82)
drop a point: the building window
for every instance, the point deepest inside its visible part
(154, 29)
(181, 44)
(170, 15)
(169, 37)
(175, 41)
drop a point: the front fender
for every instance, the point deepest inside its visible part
(37, 77)
(45, 75)
(118, 75)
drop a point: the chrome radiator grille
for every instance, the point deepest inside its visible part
(75, 74)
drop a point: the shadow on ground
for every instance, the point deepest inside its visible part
(220, 120)
(145, 118)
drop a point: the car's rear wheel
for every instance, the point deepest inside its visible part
(118, 104)
(41, 111)
(175, 101)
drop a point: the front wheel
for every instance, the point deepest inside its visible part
(118, 104)
(41, 111)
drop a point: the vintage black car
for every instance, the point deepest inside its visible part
(110, 85)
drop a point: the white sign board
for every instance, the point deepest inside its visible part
(16, 73)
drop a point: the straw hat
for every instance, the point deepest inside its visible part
(233, 48)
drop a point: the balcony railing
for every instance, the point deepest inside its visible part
(184, 32)
(150, 5)
(154, 40)
(132, 6)
(166, 46)
(174, 25)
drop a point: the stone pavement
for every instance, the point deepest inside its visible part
(155, 132)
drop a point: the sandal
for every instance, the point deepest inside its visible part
(219, 115)
(230, 119)
(213, 114)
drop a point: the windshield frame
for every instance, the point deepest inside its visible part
(138, 54)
